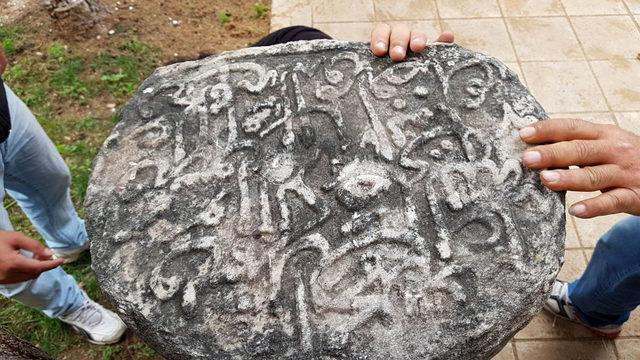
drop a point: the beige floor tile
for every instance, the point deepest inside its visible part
(547, 326)
(620, 80)
(629, 121)
(565, 350)
(628, 349)
(353, 31)
(598, 118)
(574, 265)
(468, 8)
(531, 8)
(544, 39)
(571, 241)
(634, 6)
(590, 230)
(505, 354)
(620, 40)
(290, 12)
(632, 327)
(588, 253)
(429, 27)
(488, 36)
(594, 7)
(564, 86)
(404, 10)
(339, 10)
(516, 68)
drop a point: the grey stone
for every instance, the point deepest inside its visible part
(13, 348)
(310, 201)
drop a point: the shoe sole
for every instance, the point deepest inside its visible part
(85, 335)
(595, 332)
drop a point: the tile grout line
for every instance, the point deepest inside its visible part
(438, 16)
(313, 22)
(575, 227)
(615, 349)
(633, 18)
(514, 350)
(513, 46)
(593, 73)
(375, 13)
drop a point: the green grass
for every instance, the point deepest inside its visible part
(68, 89)
(261, 10)
(224, 18)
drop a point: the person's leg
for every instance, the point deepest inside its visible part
(609, 289)
(37, 177)
(54, 292)
(292, 33)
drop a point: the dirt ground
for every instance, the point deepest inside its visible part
(180, 28)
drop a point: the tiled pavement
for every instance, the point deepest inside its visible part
(580, 58)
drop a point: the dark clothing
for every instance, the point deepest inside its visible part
(292, 33)
(5, 118)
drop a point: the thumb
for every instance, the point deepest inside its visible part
(446, 37)
(21, 241)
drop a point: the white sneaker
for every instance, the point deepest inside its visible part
(70, 255)
(99, 325)
(560, 305)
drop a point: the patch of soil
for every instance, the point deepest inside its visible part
(182, 29)
(187, 28)
(13, 10)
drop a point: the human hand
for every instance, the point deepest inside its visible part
(14, 266)
(397, 39)
(3, 61)
(608, 156)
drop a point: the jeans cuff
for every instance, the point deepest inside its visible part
(595, 319)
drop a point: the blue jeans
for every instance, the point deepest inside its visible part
(35, 175)
(609, 289)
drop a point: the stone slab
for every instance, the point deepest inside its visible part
(311, 201)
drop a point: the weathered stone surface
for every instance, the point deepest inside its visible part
(309, 201)
(13, 348)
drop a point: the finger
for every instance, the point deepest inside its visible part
(21, 241)
(568, 153)
(621, 200)
(556, 130)
(583, 179)
(400, 36)
(418, 41)
(18, 278)
(380, 39)
(446, 37)
(32, 266)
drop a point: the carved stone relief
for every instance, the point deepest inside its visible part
(310, 201)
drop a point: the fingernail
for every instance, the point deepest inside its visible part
(381, 45)
(528, 131)
(531, 157)
(578, 210)
(550, 176)
(398, 49)
(48, 252)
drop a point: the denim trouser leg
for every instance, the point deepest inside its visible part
(35, 175)
(609, 289)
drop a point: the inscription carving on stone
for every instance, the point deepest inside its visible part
(310, 201)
